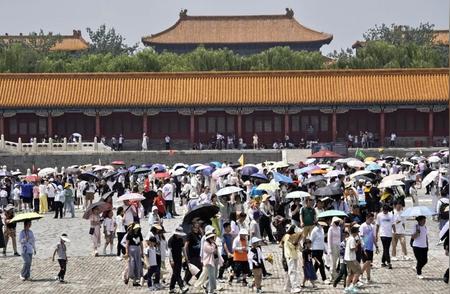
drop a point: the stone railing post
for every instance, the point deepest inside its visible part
(80, 143)
(50, 144)
(2, 141)
(34, 145)
(95, 144)
(65, 144)
(19, 144)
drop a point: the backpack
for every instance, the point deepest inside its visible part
(442, 213)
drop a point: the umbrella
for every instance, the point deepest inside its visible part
(434, 159)
(73, 170)
(325, 154)
(306, 169)
(319, 172)
(179, 165)
(201, 167)
(407, 163)
(207, 172)
(298, 195)
(110, 174)
(191, 168)
(157, 167)
(360, 173)
(46, 171)
(26, 217)
(131, 197)
(178, 171)
(162, 175)
(228, 190)
(142, 170)
(32, 178)
(281, 178)
(260, 176)
(393, 177)
(221, 172)
(100, 168)
(373, 166)
(430, 178)
(331, 213)
(417, 211)
(118, 162)
(88, 176)
(370, 159)
(443, 231)
(215, 164)
(313, 179)
(132, 168)
(5, 173)
(364, 178)
(310, 160)
(203, 212)
(330, 190)
(356, 164)
(345, 160)
(101, 205)
(249, 170)
(280, 164)
(390, 183)
(272, 186)
(334, 173)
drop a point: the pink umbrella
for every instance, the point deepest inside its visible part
(131, 197)
(221, 172)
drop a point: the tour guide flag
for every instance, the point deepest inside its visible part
(241, 160)
(359, 153)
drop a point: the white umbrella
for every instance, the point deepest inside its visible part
(391, 183)
(178, 171)
(280, 164)
(430, 178)
(360, 173)
(324, 166)
(221, 172)
(297, 195)
(434, 159)
(356, 163)
(201, 167)
(310, 160)
(131, 197)
(46, 171)
(179, 165)
(228, 190)
(407, 163)
(345, 160)
(334, 173)
(417, 211)
(393, 177)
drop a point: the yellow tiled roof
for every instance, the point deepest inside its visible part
(400, 86)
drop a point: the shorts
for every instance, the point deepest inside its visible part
(368, 256)
(89, 196)
(353, 267)
(26, 199)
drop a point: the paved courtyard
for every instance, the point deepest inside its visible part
(87, 274)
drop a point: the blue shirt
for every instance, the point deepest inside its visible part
(367, 234)
(228, 240)
(27, 190)
(26, 239)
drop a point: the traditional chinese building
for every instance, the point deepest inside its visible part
(193, 107)
(245, 34)
(62, 43)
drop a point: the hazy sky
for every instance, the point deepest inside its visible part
(347, 20)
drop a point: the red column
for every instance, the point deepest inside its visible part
(333, 126)
(239, 125)
(2, 125)
(97, 125)
(192, 128)
(286, 124)
(430, 127)
(382, 128)
(145, 123)
(49, 126)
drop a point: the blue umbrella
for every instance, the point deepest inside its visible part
(259, 176)
(418, 211)
(208, 171)
(249, 170)
(132, 168)
(215, 164)
(157, 167)
(373, 166)
(146, 165)
(281, 178)
(191, 168)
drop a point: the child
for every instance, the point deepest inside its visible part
(308, 268)
(153, 267)
(120, 230)
(62, 257)
(256, 259)
(109, 231)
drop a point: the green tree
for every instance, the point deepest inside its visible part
(107, 41)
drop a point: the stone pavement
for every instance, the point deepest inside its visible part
(87, 274)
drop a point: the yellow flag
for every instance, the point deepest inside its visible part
(241, 159)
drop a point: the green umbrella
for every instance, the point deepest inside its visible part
(26, 217)
(331, 213)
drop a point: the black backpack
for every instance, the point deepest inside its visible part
(442, 213)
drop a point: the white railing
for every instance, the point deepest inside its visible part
(35, 147)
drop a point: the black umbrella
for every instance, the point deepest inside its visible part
(313, 179)
(363, 177)
(88, 177)
(110, 174)
(202, 212)
(330, 190)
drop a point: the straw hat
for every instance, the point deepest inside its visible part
(336, 219)
(157, 226)
(265, 197)
(64, 238)
(67, 185)
(323, 224)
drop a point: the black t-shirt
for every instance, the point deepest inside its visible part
(176, 245)
(295, 216)
(194, 244)
(135, 239)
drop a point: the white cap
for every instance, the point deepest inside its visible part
(254, 240)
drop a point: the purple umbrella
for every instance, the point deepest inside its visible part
(207, 171)
(260, 176)
(249, 170)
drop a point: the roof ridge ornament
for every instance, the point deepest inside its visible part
(183, 13)
(289, 12)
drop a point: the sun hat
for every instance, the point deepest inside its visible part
(254, 240)
(64, 238)
(154, 208)
(157, 226)
(67, 185)
(136, 226)
(209, 229)
(368, 184)
(336, 219)
(243, 232)
(179, 232)
(265, 197)
(210, 235)
(193, 195)
(322, 223)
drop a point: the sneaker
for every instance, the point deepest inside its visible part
(221, 280)
(326, 282)
(16, 254)
(22, 278)
(407, 258)
(152, 288)
(159, 286)
(394, 258)
(62, 281)
(118, 258)
(389, 266)
(56, 278)
(359, 284)
(383, 265)
(420, 277)
(295, 290)
(171, 291)
(258, 291)
(185, 290)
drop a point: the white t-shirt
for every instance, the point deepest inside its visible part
(385, 221)
(168, 192)
(3, 194)
(350, 254)
(399, 227)
(421, 240)
(51, 190)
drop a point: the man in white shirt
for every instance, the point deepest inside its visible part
(51, 192)
(353, 266)
(168, 197)
(399, 233)
(318, 246)
(385, 225)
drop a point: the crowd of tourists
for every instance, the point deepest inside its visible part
(328, 216)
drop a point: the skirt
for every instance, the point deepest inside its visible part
(309, 272)
(43, 204)
(135, 269)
